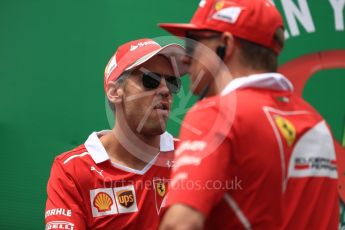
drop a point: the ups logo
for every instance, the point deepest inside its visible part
(125, 198)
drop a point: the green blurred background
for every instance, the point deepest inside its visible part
(52, 58)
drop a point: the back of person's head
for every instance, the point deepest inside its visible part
(257, 26)
(258, 57)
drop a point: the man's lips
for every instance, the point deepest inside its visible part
(162, 107)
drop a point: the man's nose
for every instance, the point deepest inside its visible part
(163, 89)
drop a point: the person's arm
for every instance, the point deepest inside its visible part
(182, 217)
(201, 171)
(63, 206)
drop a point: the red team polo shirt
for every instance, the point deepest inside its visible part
(257, 157)
(87, 191)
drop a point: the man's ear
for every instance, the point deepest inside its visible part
(114, 92)
(229, 41)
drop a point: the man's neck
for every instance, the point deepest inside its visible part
(226, 75)
(133, 151)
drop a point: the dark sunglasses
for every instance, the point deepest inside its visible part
(192, 40)
(152, 80)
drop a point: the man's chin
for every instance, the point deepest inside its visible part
(158, 131)
(153, 130)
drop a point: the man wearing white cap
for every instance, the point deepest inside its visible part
(118, 178)
(261, 157)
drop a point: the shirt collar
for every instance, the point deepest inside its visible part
(98, 153)
(273, 81)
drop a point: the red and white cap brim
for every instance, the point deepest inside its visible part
(171, 51)
(179, 29)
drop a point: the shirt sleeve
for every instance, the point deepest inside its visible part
(202, 161)
(63, 206)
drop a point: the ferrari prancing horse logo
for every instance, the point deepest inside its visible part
(287, 129)
(161, 188)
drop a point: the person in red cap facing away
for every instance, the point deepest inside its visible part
(254, 156)
(118, 178)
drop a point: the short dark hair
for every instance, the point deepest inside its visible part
(259, 57)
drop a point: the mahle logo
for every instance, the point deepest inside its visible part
(125, 198)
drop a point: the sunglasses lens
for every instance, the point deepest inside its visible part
(190, 46)
(174, 84)
(151, 80)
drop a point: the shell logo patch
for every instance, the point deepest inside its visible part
(287, 129)
(102, 202)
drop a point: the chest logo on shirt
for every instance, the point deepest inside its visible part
(102, 202)
(287, 129)
(109, 201)
(161, 189)
(125, 198)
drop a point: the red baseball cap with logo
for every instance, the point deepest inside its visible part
(134, 53)
(252, 20)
